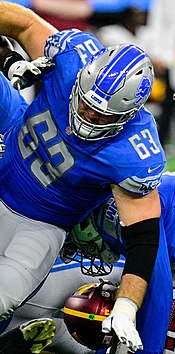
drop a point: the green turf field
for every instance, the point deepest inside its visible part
(170, 165)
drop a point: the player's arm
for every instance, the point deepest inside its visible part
(26, 27)
(140, 229)
(133, 211)
(20, 72)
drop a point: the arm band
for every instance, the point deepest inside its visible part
(142, 242)
(11, 58)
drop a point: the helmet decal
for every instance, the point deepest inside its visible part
(143, 89)
(118, 68)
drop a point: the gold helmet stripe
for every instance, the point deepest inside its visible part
(89, 316)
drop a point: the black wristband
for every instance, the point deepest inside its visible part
(9, 59)
(142, 242)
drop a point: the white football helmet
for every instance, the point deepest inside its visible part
(85, 243)
(117, 80)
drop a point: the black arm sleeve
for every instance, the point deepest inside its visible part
(142, 242)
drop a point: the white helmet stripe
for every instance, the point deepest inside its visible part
(118, 66)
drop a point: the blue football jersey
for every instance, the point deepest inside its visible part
(47, 172)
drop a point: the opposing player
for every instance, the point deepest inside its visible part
(86, 133)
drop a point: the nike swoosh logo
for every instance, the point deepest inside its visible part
(151, 170)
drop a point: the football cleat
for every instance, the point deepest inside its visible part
(38, 333)
(30, 337)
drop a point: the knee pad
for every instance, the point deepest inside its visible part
(34, 248)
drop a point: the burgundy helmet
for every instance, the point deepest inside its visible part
(84, 312)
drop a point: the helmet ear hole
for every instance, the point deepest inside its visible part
(139, 72)
(84, 224)
(111, 52)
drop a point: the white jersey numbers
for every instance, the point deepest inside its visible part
(42, 129)
(85, 48)
(144, 144)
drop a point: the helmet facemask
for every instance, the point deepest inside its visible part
(85, 246)
(117, 82)
(89, 131)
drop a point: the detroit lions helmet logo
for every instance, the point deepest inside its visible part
(144, 89)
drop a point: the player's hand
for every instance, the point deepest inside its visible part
(125, 331)
(121, 321)
(43, 63)
(24, 74)
(2, 145)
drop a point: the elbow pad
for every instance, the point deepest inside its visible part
(142, 242)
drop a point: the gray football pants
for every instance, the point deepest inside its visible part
(28, 249)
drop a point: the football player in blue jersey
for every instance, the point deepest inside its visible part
(87, 132)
